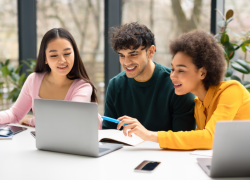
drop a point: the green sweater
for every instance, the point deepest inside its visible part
(153, 103)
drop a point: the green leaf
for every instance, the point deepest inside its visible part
(230, 19)
(243, 32)
(233, 77)
(22, 79)
(239, 68)
(1, 83)
(243, 64)
(247, 41)
(13, 95)
(229, 49)
(229, 72)
(243, 47)
(18, 69)
(25, 62)
(5, 71)
(11, 68)
(224, 38)
(14, 76)
(247, 86)
(7, 62)
(247, 48)
(221, 24)
(233, 33)
(245, 82)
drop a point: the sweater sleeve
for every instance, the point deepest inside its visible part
(229, 102)
(22, 105)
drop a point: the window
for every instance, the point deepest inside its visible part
(85, 21)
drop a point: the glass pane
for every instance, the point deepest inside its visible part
(239, 28)
(167, 19)
(85, 21)
(8, 44)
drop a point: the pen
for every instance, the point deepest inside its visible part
(111, 119)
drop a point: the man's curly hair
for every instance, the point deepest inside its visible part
(205, 52)
(131, 36)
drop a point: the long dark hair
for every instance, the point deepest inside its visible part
(78, 70)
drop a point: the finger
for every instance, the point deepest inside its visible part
(125, 122)
(126, 128)
(134, 130)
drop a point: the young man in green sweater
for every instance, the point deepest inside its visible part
(143, 94)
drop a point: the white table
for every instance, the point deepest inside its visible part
(20, 160)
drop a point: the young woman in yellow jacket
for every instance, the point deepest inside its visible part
(198, 67)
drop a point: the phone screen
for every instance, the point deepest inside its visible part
(16, 129)
(147, 166)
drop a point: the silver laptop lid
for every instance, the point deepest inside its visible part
(67, 126)
(231, 149)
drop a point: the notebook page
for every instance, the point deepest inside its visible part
(119, 136)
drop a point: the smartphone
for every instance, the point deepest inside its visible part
(16, 129)
(6, 130)
(33, 133)
(147, 166)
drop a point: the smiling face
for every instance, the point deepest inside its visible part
(60, 56)
(185, 75)
(136, 62)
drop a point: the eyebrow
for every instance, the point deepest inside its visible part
(63, 50)
(130, 52)
(133, 52)
(179, 65)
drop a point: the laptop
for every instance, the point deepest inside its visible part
(231, 150)
(69, 127)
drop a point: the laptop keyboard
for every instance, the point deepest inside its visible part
(101, 150)
(209, 167)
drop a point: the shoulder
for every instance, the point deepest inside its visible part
(121, 77)
(163, 70)
(35, 77)
(231, 89)
(80, 84)
(230, 85)
(163, 74)
(118, 81)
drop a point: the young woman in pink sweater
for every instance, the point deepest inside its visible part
(59, 74)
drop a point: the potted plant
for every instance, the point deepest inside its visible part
(230, 48)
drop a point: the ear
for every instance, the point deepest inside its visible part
(151, 51)
(203, 73)
(46, 62)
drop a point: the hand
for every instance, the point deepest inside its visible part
(25, 121)
(134, 126)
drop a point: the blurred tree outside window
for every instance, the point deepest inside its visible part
(8, 43)
(167, 19)
(85, 21)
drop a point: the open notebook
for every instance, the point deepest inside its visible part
(117, 136)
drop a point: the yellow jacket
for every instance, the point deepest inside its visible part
(227, 101)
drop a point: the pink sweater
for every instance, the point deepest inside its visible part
(79, 91)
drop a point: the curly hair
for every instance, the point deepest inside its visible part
(131, 36)
(205, 52)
